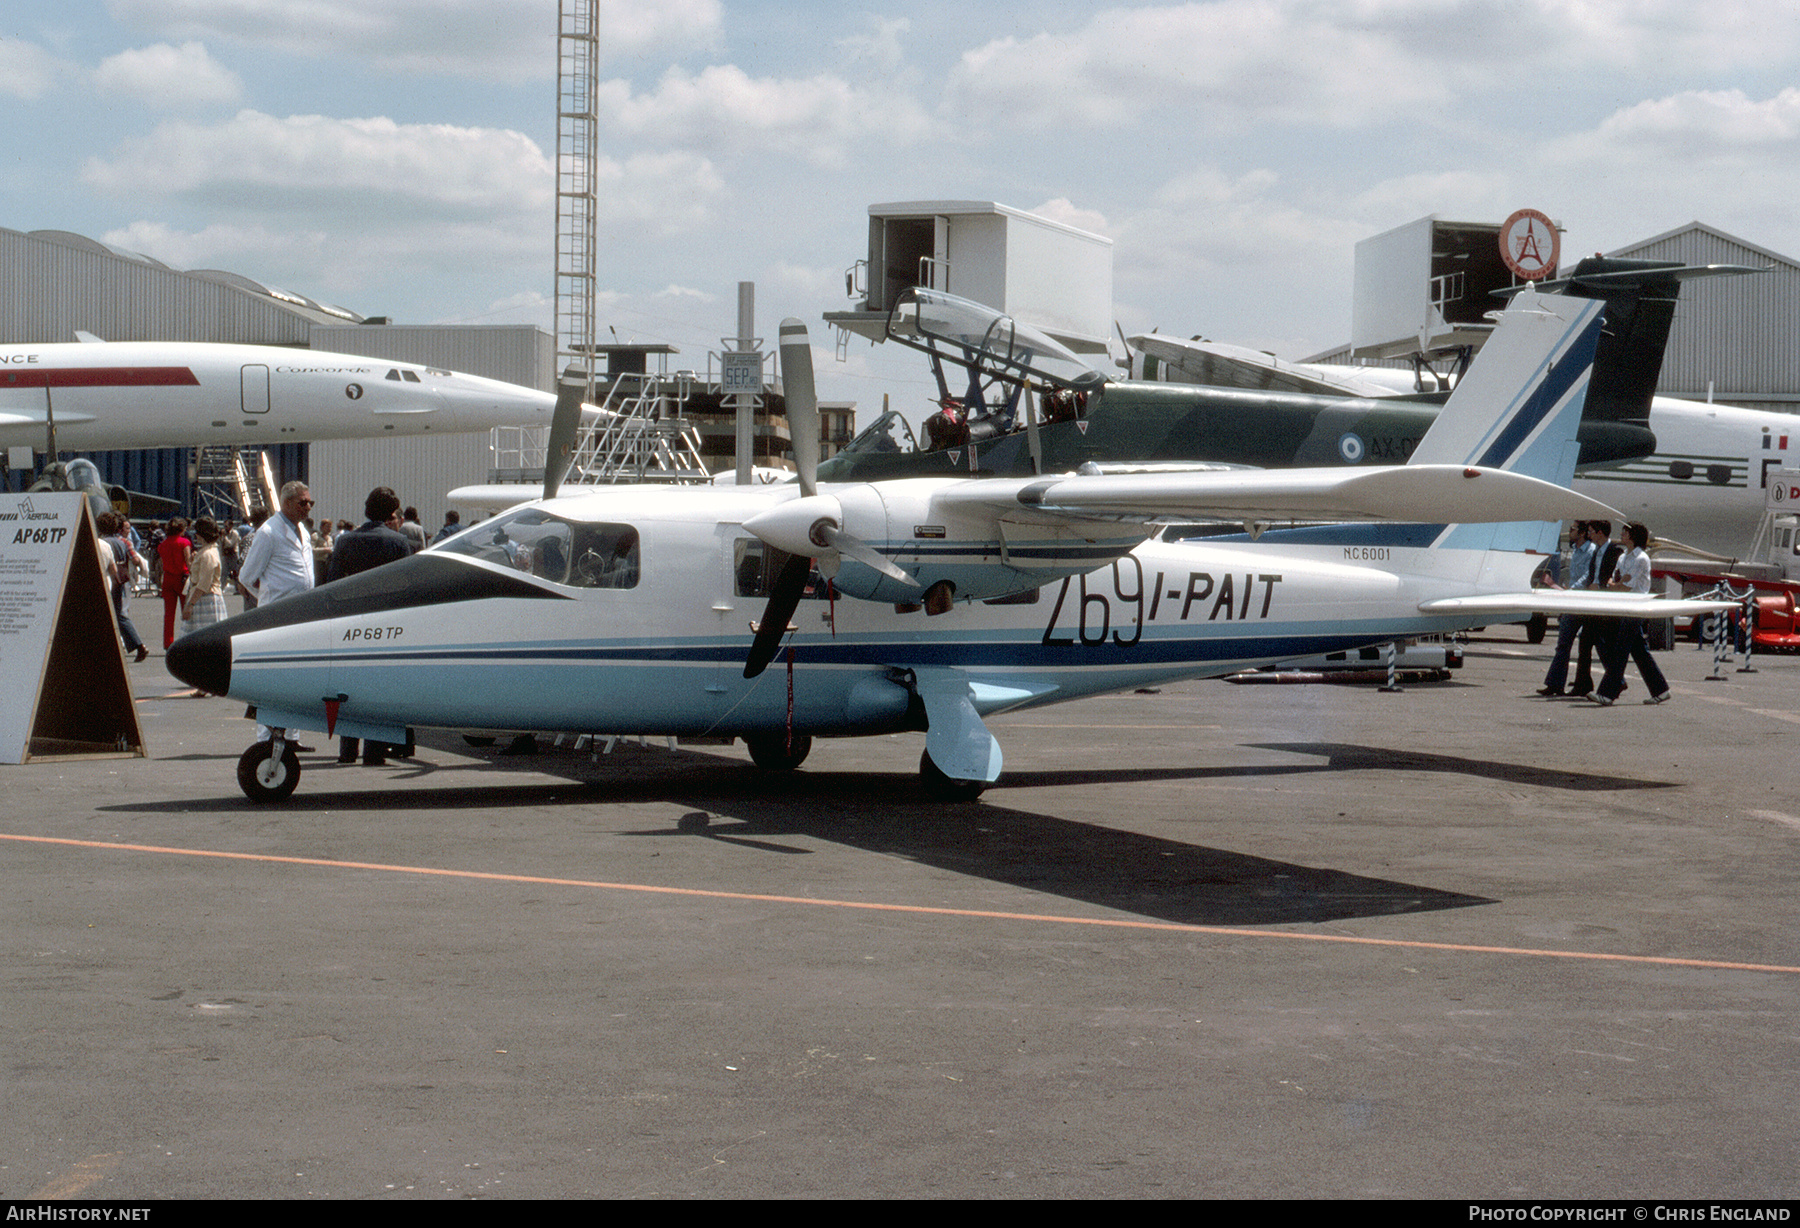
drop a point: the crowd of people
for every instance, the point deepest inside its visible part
(193, 565)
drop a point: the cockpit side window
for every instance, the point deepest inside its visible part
(606, 556)
(550, 548)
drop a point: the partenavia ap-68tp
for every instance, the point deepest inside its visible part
(633, 610)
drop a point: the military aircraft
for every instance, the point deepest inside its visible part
(1292, 416)
(1694, 472)
(152, 394)
(1702, 487)
(637, 611)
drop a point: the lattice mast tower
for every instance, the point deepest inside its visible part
(577, 272)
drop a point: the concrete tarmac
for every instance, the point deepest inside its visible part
(1313, 941)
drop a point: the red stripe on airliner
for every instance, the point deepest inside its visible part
(101, 377)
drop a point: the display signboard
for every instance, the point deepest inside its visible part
(741, 373)
(60, 659)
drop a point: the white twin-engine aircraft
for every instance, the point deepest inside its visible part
(632, 610)
(155, 394)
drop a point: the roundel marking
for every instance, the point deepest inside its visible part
(1350, 446)
(353, 391)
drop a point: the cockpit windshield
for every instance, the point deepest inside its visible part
(888, 433)
(576, 553)
(971, 334)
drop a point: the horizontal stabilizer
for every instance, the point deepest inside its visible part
(1577, 601)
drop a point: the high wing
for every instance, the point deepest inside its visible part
(1217, 364)
(1577, 601)
(1465, 494)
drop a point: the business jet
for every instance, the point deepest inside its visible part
(152, 394)
(922, 604)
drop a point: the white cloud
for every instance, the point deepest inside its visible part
(723, 108)
(1718, 156)
(166, 76)
(354, 207)
(1461, 194)
(333, 166)
(878, 52)
(1063, 210)
(1211, 65)
(506, 40)
(1337, 64)
(27, 71)
(673, 291)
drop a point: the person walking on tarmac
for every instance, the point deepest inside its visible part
(1595, 631)
(1628, 643)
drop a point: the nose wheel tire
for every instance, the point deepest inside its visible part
(263, 777)
(777, 754)
(942, 788)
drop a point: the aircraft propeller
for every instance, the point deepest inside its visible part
(565, 422)
(811, 526)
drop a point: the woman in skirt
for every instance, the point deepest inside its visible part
(203, 601)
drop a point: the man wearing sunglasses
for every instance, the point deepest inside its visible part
(279, 562)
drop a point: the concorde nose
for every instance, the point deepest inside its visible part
(203, 659)
(479, 403)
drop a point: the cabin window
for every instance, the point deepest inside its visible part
(575, 553)
(755, 564)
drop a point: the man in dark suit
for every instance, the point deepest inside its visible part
(1595, 630)
(378, 541)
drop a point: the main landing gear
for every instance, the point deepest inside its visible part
(942, 788)
(776, 753)
(266, 776)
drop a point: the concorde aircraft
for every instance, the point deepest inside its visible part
(658, 611)
(1694, 472)
(153, 394)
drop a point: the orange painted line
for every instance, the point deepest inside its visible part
(921, 909)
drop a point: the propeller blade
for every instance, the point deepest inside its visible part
(802, 401)
(565, 422)
(784, 599)
(853, 547)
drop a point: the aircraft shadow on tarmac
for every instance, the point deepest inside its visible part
(880, 812)
(1348, 757)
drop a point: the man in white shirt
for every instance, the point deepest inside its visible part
(279, 562)
(1632, 575)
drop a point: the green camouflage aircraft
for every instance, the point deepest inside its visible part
(1032, 406)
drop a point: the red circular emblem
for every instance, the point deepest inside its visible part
(1530, 245)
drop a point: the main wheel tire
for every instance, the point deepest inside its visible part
(942, 788)
(1535, 627)
(774, 753)
(479, 739)
(264, 778)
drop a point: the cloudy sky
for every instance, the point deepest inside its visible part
(398, 157)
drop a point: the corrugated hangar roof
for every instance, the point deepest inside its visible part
(53, 282)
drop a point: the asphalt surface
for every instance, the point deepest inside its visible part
(1218, 940)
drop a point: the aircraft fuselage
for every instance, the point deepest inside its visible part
(468, 640)
(147, 394)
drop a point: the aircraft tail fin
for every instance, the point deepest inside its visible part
(1640, 297)
(1519, 409)
(1519, 405)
